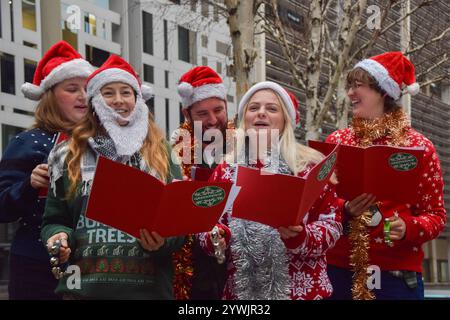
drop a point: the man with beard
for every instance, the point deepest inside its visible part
(199, 143)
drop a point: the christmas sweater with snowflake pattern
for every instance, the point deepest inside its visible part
(306, 252)
(424, 219)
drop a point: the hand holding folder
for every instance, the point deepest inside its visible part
(280, 200)
(389, 173)
(129, 200)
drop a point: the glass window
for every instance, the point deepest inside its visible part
(205, 8)
(11, 19)
(1, 29)
(8, 79)
(183, 44)
(29, 66)
(90, 24)
(218, 67)
(443, 273)
(166, 79)
(96, 56)
(222, 48)
(426, 270)
(181, 114)
(29, 14)
(204, 61)
(194, 5)
(204, 41)
(149, 73)
(187, 43)
(29, 44)
(166, 41)
(147, 32)
(216, 12)
(69, 29)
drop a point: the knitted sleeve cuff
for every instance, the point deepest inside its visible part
(295, 242)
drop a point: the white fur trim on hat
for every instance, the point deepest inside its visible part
(67, 70)
(32, 91)
(109, 76)
(413, 88)
(275, 87)
(381, 75)
(211, 90)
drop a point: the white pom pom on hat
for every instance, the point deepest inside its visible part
(32, 91)
(147, 92)
(413, 89)
(185, 90)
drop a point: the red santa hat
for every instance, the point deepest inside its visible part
(200, 83)
(289, 100)
(391, 70)
(116, 69)
(59, 63)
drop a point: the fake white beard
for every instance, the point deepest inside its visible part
(127, 139)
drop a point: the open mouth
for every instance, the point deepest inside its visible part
(121, 111)
(355, 102)
(261, 124)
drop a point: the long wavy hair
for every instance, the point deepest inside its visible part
(49, 117)
(296, 155)
(153, 150)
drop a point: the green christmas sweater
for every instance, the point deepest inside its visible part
(111, 264)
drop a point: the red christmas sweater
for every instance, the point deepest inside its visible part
(424, 220)
(306, 252)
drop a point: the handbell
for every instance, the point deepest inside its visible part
(54, 249)
(54, 261)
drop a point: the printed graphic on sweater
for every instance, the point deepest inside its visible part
(105, 254)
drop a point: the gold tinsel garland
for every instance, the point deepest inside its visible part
(359, 256)
(182, 259)
(394, 127)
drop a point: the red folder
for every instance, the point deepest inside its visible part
(129, 200)
(278, 199)
(201, 174)
(389, 173)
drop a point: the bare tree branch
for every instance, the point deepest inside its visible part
(435, 80)
(444, 59)
(343, 60)
(282, 41)
(423, 45)
(388, 27)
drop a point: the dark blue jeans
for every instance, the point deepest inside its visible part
(391, 287)
(30, 279)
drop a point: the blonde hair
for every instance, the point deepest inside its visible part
(48, 115)
(296, 155)
(153, 150)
